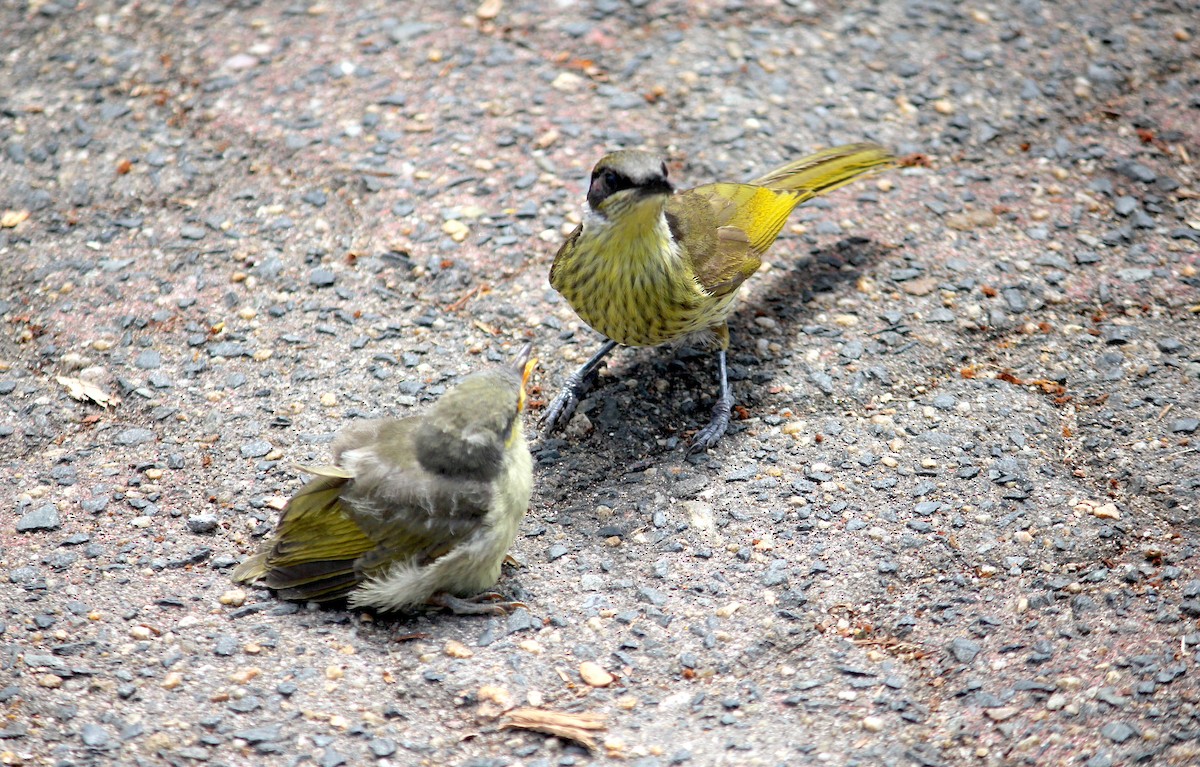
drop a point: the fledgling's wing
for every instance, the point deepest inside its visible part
(376, 507)
(408, 510)
(313, 552)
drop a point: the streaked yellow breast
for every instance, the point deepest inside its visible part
(631, 283)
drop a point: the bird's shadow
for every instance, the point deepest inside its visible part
(654, 399)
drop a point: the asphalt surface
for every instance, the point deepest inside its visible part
(955, 521)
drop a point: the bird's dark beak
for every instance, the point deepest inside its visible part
(656, 187)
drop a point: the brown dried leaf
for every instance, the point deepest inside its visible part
(86, 390)
(576, 727)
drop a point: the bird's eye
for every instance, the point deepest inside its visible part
(610, 179)
(664, 170)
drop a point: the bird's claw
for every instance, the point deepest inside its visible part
(560, 410)
(711, 434)
(487, 603)
(707, 437)
(563, 407)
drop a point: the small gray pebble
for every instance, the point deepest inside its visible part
(382, 747)
(1170, 345)
(1134, 275)
(23, 574)
(1118, 732)
(225, 645)
(1185, 425)
(330, 757)
(256, 449)
(322, 277)
(148, 359)
(1015, 298)
(1118, 334)
(521, 620)
(964, 650)
(94, 736)
(64, 475)
(652, 596)
(245, 705)
(44, 517)
(94, 505)
(132, 437)
(268, 733)
(202, 523)
(1138, 172)
(409, 30)
(228, 349)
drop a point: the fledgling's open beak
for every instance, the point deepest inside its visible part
(524, 364)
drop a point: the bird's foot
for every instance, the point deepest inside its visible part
(563, 406)
(707, 437)
(559, 413)
(512, 561)
(487, 603)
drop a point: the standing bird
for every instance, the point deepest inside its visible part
(416, 510)
(649, 265)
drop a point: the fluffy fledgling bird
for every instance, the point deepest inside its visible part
(417, 510)
(649, 265)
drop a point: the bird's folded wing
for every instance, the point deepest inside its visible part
(757, 211)
(331, 472)
(414, 511)
(719, 246)
(314, 526)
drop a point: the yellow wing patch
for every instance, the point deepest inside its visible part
(757, 211)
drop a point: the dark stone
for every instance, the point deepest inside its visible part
(44, 517)
(964, 650)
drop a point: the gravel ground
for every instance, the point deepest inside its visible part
(955, 523)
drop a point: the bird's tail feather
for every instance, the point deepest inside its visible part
(314, 581)
(826, 170)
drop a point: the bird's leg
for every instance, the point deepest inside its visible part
(563, 406)
(710, 434)
(487, 603)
